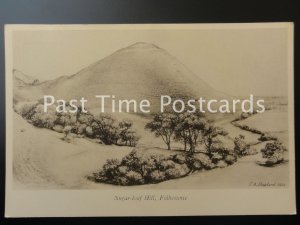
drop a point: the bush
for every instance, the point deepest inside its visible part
(179, 158)
(157, 176)
(26, 110)
(220, 151)
(230, 159)
(110, 168)
(136, 169)
(244, 115)
(122, 170)
(216, 157)
(275, 159)
(251, 151)
(133, 161)
(103, 126)
(200, 161)
(273, 152)
(43, 120)
(179, 170)
(58, 128)
(122, 181)
(272, 148)
(267, 137)
(85, 118)
(167, 164)
(68, 139)
(81, 129)
(67, 130)
(240, 146)
(89, 131)
(134, 178)
(221, 164)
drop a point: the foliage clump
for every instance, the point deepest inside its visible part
(273, 153)
(102, 126)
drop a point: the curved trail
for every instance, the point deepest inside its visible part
(234, 131)
(42, 159)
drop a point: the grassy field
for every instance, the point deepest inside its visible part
(43, 161)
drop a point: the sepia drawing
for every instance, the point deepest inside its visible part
(65, 137)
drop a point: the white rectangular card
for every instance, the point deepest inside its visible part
(149, 120)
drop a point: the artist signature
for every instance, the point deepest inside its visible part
(266, 184)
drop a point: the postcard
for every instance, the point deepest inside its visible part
(149, 120)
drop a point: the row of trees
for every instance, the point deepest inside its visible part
(102, 126)
(191, 129)
(111, 133)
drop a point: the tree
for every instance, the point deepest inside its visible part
(131, 138)
(103, 126)
(240, 146)
(210, 135)
(189, 127)
(124, 130)
(163, 125)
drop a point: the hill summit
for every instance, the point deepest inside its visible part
(139, 71)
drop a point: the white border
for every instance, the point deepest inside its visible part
(73, 203)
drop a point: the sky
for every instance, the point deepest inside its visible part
(233, 61)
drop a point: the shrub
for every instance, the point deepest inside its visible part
(67, 130)
(273, 152)
(68, 139)
(179, 170)
(110, 168)
(196, 165)
(136, 168)
(149, 165)
(230, 159)
(157, 176)
(81, 129)
(275, 159)
(133, 161)
(244, 115)
(216, 157)
(179, 158)
(43, 120)
(58, 128)
(89, 131)
(122, 181)
(220, 151)
(109, 132)
(26, 110)
(272, 148)
(134, 177)
(167, 164)
(200, 161)
(122, 170)
(267, 137)
(251, 151)
(221, 164)
(103, 126)
(240, 146)
(85, 118)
